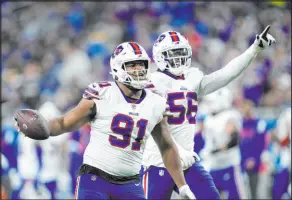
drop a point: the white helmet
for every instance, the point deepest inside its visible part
(126, 52)
(219, 100)
(172, 52)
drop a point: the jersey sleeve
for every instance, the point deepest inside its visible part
(158, 84)
(161, 107)
(195, 77)
(150, 86)
(92, 91)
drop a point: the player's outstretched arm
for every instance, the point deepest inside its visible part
(171, 157)
(236, 66)
(72, 120)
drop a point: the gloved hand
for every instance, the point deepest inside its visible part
(264, 39)
(186, 193)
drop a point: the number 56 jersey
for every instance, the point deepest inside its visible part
(181, 95)
(120, 128)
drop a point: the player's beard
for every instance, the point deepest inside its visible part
(132, 88)
(136, 76)
(140, 75)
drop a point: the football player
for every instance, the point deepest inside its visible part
(221, 153)
(182, 86)
(122, 116)
(282, 136)
(53, 154)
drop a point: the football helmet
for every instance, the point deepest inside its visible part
(172, 52)
(126, 53)
(219, 100)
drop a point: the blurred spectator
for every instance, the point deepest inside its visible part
(53, 156)
(252, 144)
(76, 67)
(5, 181)
(282, 138)
(29, 89)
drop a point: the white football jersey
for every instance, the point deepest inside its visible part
(27, 159)
(52, 163)
(215, 137)
(182, 104)
(120, 128)
(284, 135)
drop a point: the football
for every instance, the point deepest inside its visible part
(32, 124)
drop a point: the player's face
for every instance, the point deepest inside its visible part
(137, 69)
(176, 57)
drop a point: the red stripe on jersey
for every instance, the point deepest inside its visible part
(150, 85)
(174, 36)
(182, 77)
(92, 90)
(77, 188)
(145, 183)
(92, 95)
(136, 48)
(285, 141)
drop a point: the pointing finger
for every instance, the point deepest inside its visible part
(264, 34)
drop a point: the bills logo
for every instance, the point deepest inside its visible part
(117, 51)
(159, 39)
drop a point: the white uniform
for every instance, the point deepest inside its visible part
(28, 164)
(120, 128)
(215, 137)
(52, 163)
(195, 81)
(182, 101)
(284, 133)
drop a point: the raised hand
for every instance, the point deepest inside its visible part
(264, 39)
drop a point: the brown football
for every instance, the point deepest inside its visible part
(32, 124)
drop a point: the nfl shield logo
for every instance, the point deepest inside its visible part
(117, 51)
(161, 172)
(93, 178)
(133, 106)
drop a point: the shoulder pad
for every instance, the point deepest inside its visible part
(92, 91)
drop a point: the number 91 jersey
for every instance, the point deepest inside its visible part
(120, 128)
(181, 94)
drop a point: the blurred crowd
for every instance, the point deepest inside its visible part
(52, 50)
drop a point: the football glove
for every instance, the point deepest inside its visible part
(186, 193)
(264, 40)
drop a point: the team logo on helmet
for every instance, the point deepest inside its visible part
(159, 39)
(117, 51)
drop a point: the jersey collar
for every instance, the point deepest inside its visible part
(182, 77)
(129, 100)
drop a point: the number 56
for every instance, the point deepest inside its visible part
(182, 110)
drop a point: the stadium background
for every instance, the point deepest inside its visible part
(51, 51)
